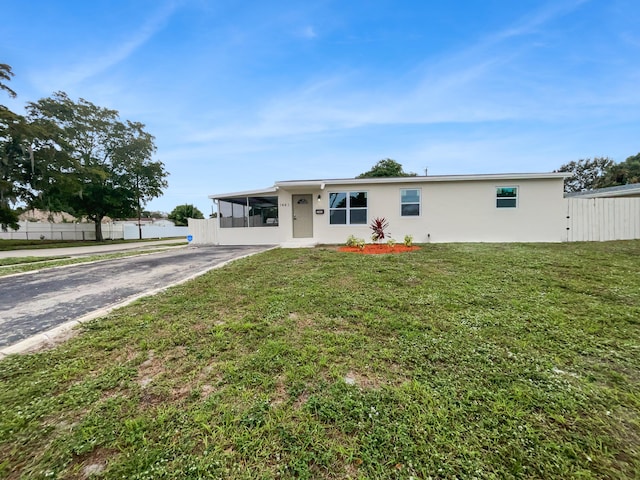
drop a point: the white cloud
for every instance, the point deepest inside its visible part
(464, 86)
(102, 61)
(308, 32)
(530, 23)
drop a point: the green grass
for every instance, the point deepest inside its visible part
(456, 361)
(12, 261)
(6, 245)
(10, 266)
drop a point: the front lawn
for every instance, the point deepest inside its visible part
(455, 361)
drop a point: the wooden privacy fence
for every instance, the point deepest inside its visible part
(602, 219)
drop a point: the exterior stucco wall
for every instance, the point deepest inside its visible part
(251, 235)
(457, 212)
(451, 211)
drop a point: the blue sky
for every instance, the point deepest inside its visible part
(241, 94)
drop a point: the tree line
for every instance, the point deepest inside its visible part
(586, 174)
(74, 156)
(600, 172)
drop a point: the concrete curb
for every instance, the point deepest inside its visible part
(48, 337)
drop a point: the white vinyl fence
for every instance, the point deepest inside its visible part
(62, 231)
(602, 219)
(204, 231)
(152, 231)
(86, 231)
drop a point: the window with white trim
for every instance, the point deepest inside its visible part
(506, 197)
(348, 208)
(410, 202)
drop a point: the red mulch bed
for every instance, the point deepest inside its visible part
(376, 249)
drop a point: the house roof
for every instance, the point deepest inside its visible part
(246, 193)
(323, 183)
(629, 190)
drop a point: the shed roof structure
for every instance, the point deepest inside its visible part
(629, 190)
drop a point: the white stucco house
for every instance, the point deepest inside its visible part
(525, 207)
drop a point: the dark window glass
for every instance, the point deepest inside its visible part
(410, 210)
(358, 217)
(338, 217)
(358, 199)
(410, 202)
(346, 208)
(506, 202)
(506, 197)
(338, 200)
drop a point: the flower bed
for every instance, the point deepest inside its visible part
(379, 248)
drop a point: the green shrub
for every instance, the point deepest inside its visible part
(354, 241)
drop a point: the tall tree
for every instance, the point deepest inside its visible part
(386, 168)
(586, 174)
(181, 213)
(13, 155)
(623, 173)
(143, 178)
(14, 165)
(105, 166)
(5, 75)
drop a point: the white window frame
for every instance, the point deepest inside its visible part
(419, 203)
(516, 198)
(347, 209)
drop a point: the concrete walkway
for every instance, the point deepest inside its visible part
(91, 249)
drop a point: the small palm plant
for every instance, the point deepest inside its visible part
(354, 241)
(378, 226)
(408, 240)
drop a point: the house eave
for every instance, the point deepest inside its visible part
(321, 184)
(287, 184)
(245, 193)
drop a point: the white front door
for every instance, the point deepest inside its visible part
(302, 216)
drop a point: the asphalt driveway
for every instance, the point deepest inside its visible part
(34, 303)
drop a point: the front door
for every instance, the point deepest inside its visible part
(302, 216)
